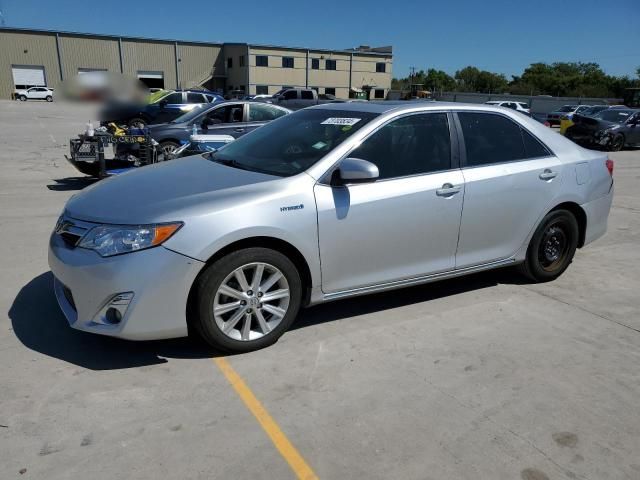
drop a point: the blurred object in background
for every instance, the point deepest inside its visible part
(104, 87)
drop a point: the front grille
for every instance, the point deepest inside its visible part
(68, 296)
(71, 230)
(70, 239)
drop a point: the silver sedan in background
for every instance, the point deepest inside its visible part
(328, 202)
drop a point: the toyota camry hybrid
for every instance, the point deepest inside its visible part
(326, 203)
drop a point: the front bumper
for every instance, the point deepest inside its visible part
(160, 280)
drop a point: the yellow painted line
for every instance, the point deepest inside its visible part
(271, 428)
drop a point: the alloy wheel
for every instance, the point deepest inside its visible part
(251, 301)
(168, 149)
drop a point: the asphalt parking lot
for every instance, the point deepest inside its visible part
(484, 377)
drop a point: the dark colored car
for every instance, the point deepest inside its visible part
(611, 129)
(234, 118)
(165, 109)
(554, 117)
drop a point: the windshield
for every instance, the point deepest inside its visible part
(567, 108)
(191, 114)
(613, 115)
(293, 143)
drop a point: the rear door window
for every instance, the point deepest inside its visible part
(264, 113)
(490, 138)
(173, 98)
(306, 95)
(195, 98)
(230, 113)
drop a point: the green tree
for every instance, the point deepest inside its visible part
(438, 80)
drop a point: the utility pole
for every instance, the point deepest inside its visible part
(411, 79)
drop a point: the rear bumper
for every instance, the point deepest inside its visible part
(597, 216)
(159, 279)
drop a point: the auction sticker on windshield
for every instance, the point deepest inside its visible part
(341, 121)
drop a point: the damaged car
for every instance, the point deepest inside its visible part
(611, 129)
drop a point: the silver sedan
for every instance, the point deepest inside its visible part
(326, 203)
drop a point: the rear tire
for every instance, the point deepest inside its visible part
(23, 98)
(552, 247)
(241, 312)
(137, 123)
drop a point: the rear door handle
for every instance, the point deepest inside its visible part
(548, 174)
(239, 130)
(448, 190)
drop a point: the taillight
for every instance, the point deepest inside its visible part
(609, 164)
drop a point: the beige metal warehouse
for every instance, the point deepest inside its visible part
(39, 57)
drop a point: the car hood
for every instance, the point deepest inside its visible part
(167, 191)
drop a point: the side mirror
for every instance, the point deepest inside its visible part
(355, 170)
(163, 103)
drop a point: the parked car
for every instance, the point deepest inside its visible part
(554, 117)
(163, 109)
(297, 98)
(521, 107)
(591, 110)
(34, 93)
(611, 129)
(233, 118)
(566, 120)
(325, 203)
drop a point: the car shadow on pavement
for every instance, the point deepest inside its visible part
(71, 183)
(40, 325)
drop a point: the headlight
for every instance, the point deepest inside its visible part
(110, 240)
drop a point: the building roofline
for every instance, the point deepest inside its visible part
(106, 36)
(195, 42)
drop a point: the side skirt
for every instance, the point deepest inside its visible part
(410, 281)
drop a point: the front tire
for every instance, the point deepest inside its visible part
(617, 142)
(49, 98)
(552, 247)
(246, 300)
(167, 149)
(23, 98)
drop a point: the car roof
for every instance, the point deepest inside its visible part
(385, 106)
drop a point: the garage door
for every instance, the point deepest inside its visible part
(28, 76)
(152, 79)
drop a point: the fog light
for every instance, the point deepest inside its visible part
(114, 310)
(113, 315)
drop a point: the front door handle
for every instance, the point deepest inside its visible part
(239, 130)
(448, 190)
(548, 174)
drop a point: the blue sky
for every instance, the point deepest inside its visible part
(498, 35)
